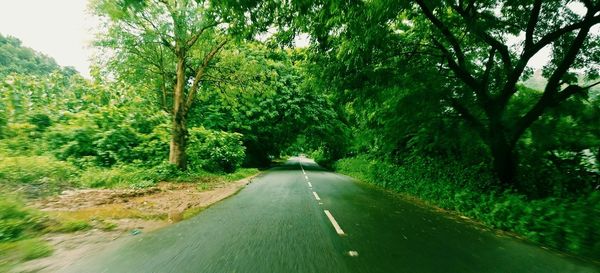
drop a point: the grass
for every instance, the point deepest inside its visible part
(12, 253)
(208, 181)
(109, 211)
(241, 174)
(191, 212)
(36, 175)
(33, 248)
(117, 177)
(67, 226)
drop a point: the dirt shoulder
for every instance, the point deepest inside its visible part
(117, 214)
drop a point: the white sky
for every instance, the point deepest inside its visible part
(60, 29)
(63, 30)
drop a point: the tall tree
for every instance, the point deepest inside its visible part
(473, 38)
(170, 45)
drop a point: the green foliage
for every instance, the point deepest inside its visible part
(20, 139)
(15, 58)
(240, 174)
(115, 145)
(439, 78)
(73, 140)
(33, 249)
(70, 226)
(36, 175)
(563, 223)
(119, 177)
(153, 147)
(92, 138)
(40, 121)
(19, 228)
(215, 151)
(268, 95)
(16, 221)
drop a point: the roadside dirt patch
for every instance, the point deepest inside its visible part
(150, 203)
(128, 213)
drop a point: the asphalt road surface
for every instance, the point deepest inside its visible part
(300, 218)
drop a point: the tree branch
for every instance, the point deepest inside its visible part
(487, 38)
(529, 52)
(488, 68)
(195, 37)
(592, 85)
(533, 19)
(567, 60)
(551, 95)
(445, 31)
(458, 70)
(553, 36)
(200, 73)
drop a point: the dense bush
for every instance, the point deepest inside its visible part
(92, 139)
(73, 140)
(37, 174)
(153, 148)
(563, 223)
(115, 145)
(20, 139)
(215, 151)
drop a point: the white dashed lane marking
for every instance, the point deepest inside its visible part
(337, 227)
(316, 196)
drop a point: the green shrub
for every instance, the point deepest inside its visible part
(116, 145)
(37, 174)
(41, 121)
(116, 177)
(72, 140)
(16, 221)
(108, 138)
(153, 147)
(21, 139)
(562, 223)
(215, 151)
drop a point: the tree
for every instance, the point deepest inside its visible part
(169, 44)
(472, 37)
(465, 49)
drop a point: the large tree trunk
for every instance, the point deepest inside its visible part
(179, 131)
(504, 160)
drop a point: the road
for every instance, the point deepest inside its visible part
(278, 223)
